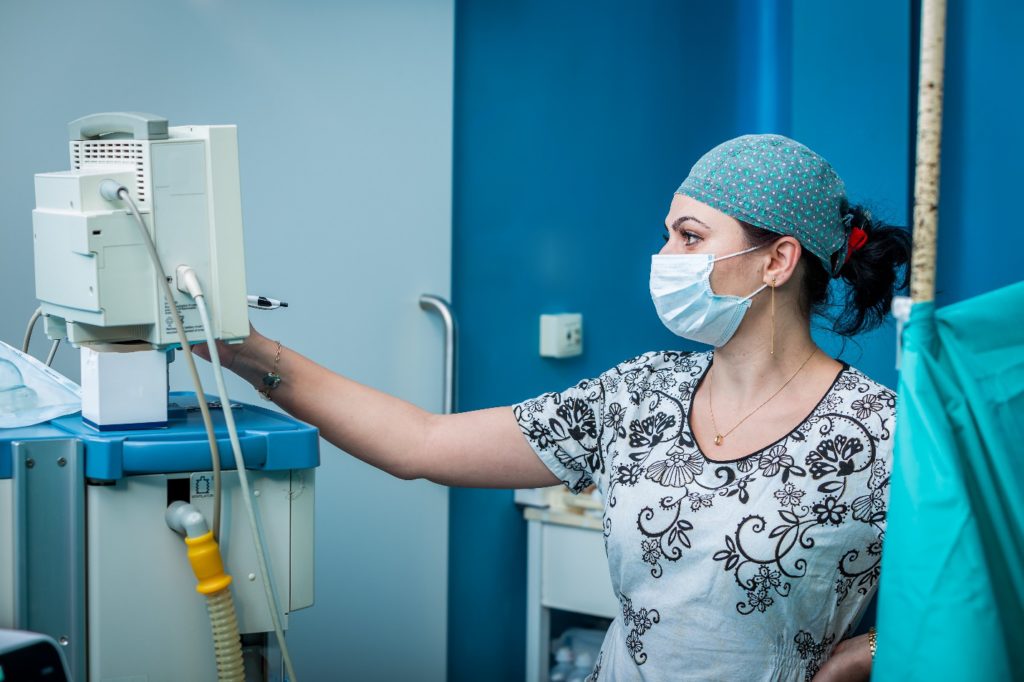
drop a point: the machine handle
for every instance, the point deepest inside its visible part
(135, 124)
(441, 307)
(158, 456)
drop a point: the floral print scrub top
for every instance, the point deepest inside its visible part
(750, 569)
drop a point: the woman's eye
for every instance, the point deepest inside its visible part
(689, 238)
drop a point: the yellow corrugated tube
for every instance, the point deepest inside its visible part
(227, 645)
(204, 555)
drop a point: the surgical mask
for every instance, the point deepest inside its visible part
(682, 295)
(32, 393)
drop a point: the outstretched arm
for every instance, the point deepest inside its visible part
(484, 448)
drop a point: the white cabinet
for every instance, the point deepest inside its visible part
(567, 570)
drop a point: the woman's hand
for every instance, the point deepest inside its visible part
(230, 352)
(850, 662)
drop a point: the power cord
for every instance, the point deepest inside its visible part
(53, 352)
(28, 330)
(111, 191)
(189, 282)
(28, 337)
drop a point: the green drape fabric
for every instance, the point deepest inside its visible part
(951, 597)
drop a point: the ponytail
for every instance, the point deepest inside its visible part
(873, 274)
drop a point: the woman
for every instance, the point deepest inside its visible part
(745, 487)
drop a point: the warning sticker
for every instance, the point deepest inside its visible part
(202, 486)
(192, 326)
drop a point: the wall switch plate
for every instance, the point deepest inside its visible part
(561, 336)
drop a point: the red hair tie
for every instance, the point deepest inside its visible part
(858, 238)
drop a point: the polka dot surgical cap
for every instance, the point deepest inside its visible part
(777, 184)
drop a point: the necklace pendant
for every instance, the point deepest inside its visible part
(718, 439)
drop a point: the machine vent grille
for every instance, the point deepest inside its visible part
(92, 153)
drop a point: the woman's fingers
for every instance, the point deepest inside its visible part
(225, 351)
(202, 351)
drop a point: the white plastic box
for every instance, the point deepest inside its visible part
(124, 388)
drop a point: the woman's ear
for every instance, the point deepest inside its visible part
(784, 254)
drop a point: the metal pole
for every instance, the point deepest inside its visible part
(929, 142)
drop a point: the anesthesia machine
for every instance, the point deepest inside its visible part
(132, 534)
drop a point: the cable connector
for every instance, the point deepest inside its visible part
(184, 519)
(203, 552)
(188, 281)
(111, 190)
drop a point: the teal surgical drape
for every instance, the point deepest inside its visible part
(951, 600)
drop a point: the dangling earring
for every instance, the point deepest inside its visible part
(773, 316)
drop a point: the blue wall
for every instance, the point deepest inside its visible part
(981, 241)
(573, 128)
(854, 99)
(850, 102)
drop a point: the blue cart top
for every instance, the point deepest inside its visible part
(270, 441)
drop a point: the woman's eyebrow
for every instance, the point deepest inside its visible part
(680, 220)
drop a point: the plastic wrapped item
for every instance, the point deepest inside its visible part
(14, 394)
(31, 392)
(563, 665)
(583, 666)
(581, 647)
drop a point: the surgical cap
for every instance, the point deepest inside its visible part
(777, 184)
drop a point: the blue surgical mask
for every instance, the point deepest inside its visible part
(682, 295)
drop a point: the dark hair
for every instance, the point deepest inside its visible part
(872, 274)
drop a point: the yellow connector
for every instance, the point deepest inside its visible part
(204, 554)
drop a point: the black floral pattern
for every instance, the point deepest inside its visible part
(628, 474)
(641, 620)
(789, 495)
(834, 455)
(667, 536)
(699, 501)
(871, 403)
(799, 522)
(759, 577)
(570, 434)
(578, 418)
(677, 468)
(776, 459)
(812, 651)
(830, 510)
(613, 418)
(648, 432)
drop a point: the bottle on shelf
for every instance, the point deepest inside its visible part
(582, 669)
(563, 665)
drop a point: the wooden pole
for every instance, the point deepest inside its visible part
(929, 142)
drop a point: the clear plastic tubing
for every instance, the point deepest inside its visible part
(227, 643)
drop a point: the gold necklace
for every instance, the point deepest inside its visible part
(719, 436)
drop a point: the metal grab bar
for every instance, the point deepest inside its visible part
(441, 307)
